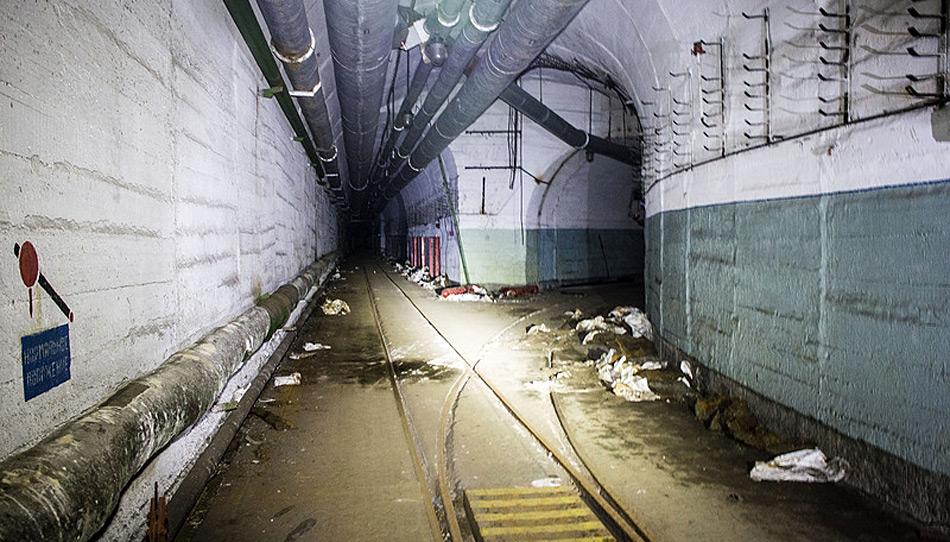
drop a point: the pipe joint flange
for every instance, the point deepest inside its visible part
(399, 154)
(412, 167)
(479, 26)
(332, 149)
(586, 141)
(297, 59)
(448, 23)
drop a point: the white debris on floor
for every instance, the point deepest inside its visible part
(621, 377)
(335, 307)
(443, 362)
(292, 379)
(599, 323)
(547, 385)
(311, 347)
(592, 327)
(617, 321)
(471, 292)
(302, 355)
(421, 276)
(575, 314)
(535, 329)
(551, 481)
(639, 324)
(809, 465)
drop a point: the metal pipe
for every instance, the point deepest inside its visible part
(361, 39)
(294, 45)
(541, 114)
(246, 22)
(66, 487)
(528, 29)
(439, 24)
(483, 18)
(190, 489)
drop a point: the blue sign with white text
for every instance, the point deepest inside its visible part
(45, 360)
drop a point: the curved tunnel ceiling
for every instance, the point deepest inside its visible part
(829, 62)
(666, 54)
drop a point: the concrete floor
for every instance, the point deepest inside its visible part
(330, 459)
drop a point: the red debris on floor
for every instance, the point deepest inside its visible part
(518, 291)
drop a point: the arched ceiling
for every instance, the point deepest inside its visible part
(830, 62)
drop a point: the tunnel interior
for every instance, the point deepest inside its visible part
(475, 270)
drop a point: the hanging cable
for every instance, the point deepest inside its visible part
(390, 99)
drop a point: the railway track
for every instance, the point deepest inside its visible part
(444, 513)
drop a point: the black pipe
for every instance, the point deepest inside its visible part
(361, 39)
(482, 19)
(294, 46)
(188, 491)
(246, 22)
(528, 29)
(67, 486)
(442, 20)
(541, 114)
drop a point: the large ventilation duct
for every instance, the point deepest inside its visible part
(361, 38)
(482, 19)
(528, 29)
(293, 44)
(439, 24)
(541, 114)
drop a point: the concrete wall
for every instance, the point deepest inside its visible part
(424, 209)
(574, 223)
(807, 267)
(162, 193)
(814, 273)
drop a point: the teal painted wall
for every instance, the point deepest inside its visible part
(495, 256)
(552, 256)
(563, 256)
(837, 306)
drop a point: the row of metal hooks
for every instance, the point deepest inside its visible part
(925, 33)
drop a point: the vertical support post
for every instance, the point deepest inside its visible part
(454, 214)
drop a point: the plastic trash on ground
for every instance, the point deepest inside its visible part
(518, 291)
(551, 481)
(635, 319)
(535, 329)
(621, 377)
(335, 307)
(310, 347)
(599, 323)
(471, 292)
(809, 465)
(575, 314)
(292, 379)
(651, 366)
(302, 355)
(635, 389)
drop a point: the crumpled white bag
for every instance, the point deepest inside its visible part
(809, 465)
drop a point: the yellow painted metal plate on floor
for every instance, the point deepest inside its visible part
(531, 513)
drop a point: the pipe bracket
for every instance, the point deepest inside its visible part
(586, 141)
(306, 93)
(330, 159)
(297, 59)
